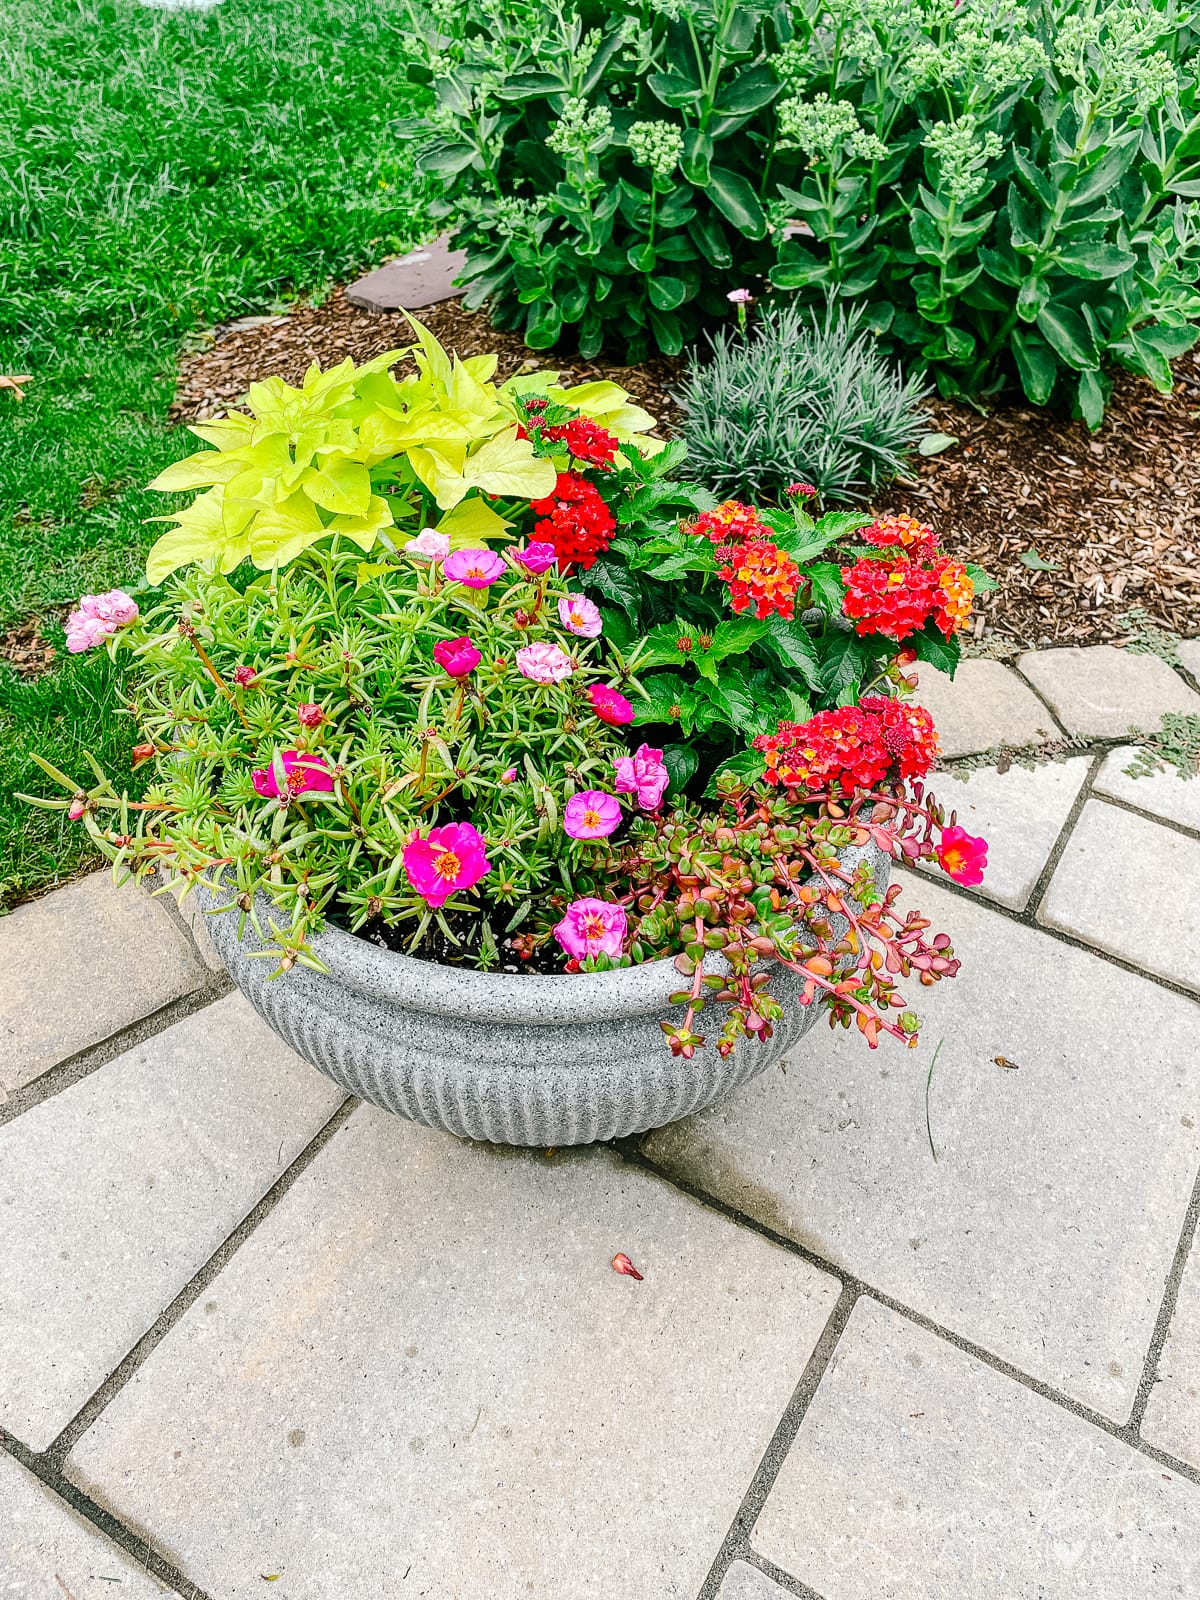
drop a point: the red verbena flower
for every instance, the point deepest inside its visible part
(575, 520)
(760, 574)
(586, 440)
(730, 523)
(880, 740)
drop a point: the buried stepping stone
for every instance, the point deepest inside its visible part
(421, 278)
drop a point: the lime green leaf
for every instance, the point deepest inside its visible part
(340, 486)
(470, 522)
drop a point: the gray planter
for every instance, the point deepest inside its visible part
(537, 1060)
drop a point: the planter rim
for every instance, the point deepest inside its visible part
(533, 999)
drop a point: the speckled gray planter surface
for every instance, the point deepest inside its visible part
(537, 1060)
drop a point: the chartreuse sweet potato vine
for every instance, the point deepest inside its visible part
(356, 452)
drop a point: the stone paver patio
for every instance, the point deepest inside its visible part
(927, 1337)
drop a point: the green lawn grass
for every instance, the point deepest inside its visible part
(159, 171)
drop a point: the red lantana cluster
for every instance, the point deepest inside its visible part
(729, 523)
(586, 440)
(880, 740)
(758, 573)
(575, 520)
(896, 597)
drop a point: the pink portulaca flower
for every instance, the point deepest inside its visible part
(451, 858)
(592, 814)
(475, 568)
(740, 297)
(544, 663)
(610, 706)
(643, 774)
(580, 615)
(591, 928)
(304, 773)
(457, 657)
(429, 543)
(537, 556)
(509, 775)
(962, 856)
(244, 675)
(97, 617)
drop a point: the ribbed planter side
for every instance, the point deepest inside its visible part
(542, 1061)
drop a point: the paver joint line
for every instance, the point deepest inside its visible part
(856, 1287)
(137, 1546)
(737, 1539)
(1166, 1311)
(61, 1446)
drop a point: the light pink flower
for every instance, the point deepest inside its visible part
(309, 715)
(451, 858)
(429, 543)
(740, 297)
(304, 772)
(97, 617)
(643, 774)
(537, 556)
(457, 657)
(591, 928)
(591, 814)
(610, 706)
(475, 568)
(580, 615)
(544, 663)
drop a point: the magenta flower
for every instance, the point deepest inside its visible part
(580, 615)
(451, 858)
(592, 814)
(244, 675)
(309, 715)
(475, 568)
(643, 774)
(457, 657)
(537, 556)
(610, 706)
(429, 543)
(304, 772)
(97, 617)
(509, 775)
(591, 928)
(962, 856)
(544, 663)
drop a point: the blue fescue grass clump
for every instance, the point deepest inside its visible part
(799, 398)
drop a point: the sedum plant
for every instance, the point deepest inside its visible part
(1009, 190)
(799, 398)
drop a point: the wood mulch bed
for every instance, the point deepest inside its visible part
(1111, 520)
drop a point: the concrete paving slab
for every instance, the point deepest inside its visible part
(116, 1191)
(1099, 692)
(47, 1549)
(79, 965)
(422, 1363)
(1046, 1228)
(1131, 887)
(1020, 813)
(921, 1472)
(984, 706)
